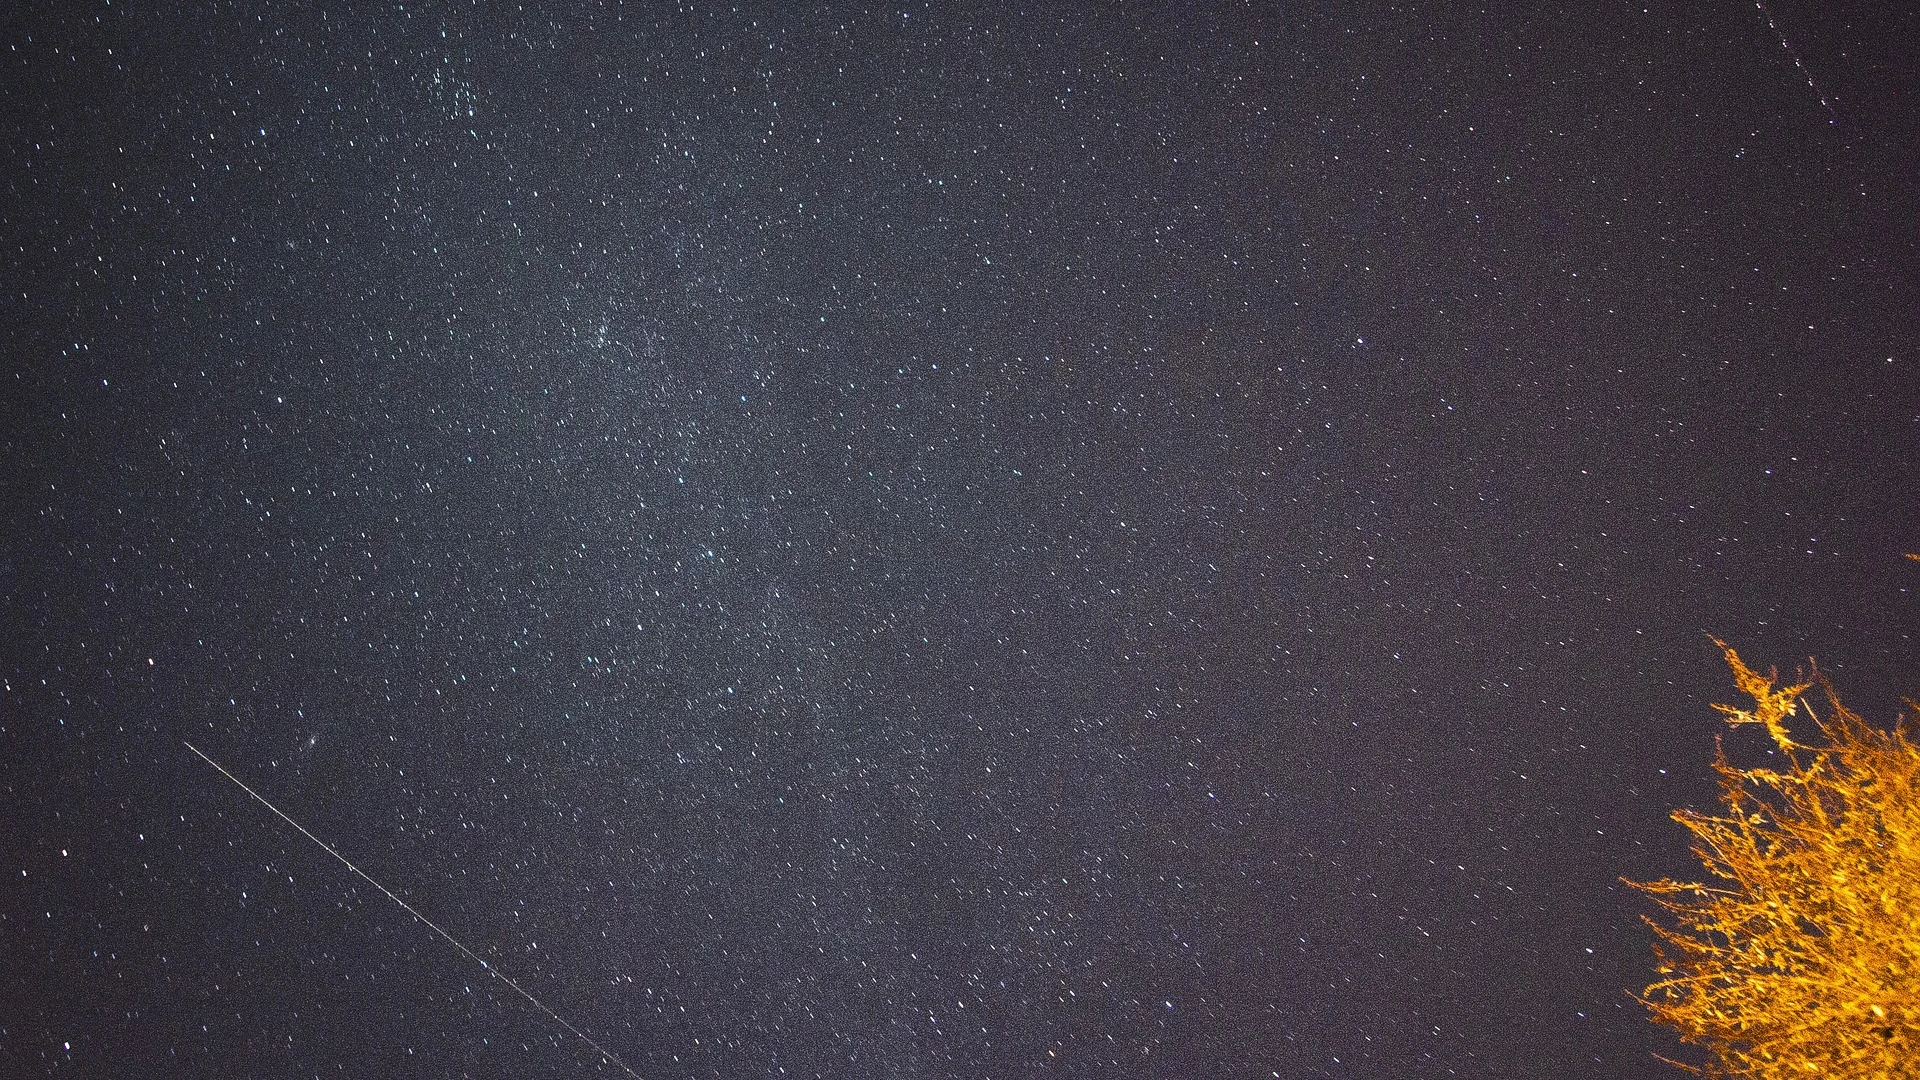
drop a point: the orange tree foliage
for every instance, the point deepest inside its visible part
(1802, 957)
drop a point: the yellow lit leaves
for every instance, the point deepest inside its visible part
(1771, 706)
(1802, 962)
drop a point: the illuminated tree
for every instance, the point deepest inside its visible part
(1802, 958)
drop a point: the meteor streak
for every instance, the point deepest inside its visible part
(605, 1053)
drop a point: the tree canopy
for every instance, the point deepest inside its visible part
(1800, 957)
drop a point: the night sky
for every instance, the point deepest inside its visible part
(920, 541)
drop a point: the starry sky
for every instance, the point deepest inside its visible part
(974, 541)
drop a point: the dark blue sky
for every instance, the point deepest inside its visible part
(1090, 540)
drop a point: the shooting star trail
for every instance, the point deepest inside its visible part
(605, 1053)
(1794, 55)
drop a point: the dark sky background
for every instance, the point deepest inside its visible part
(897, 542)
